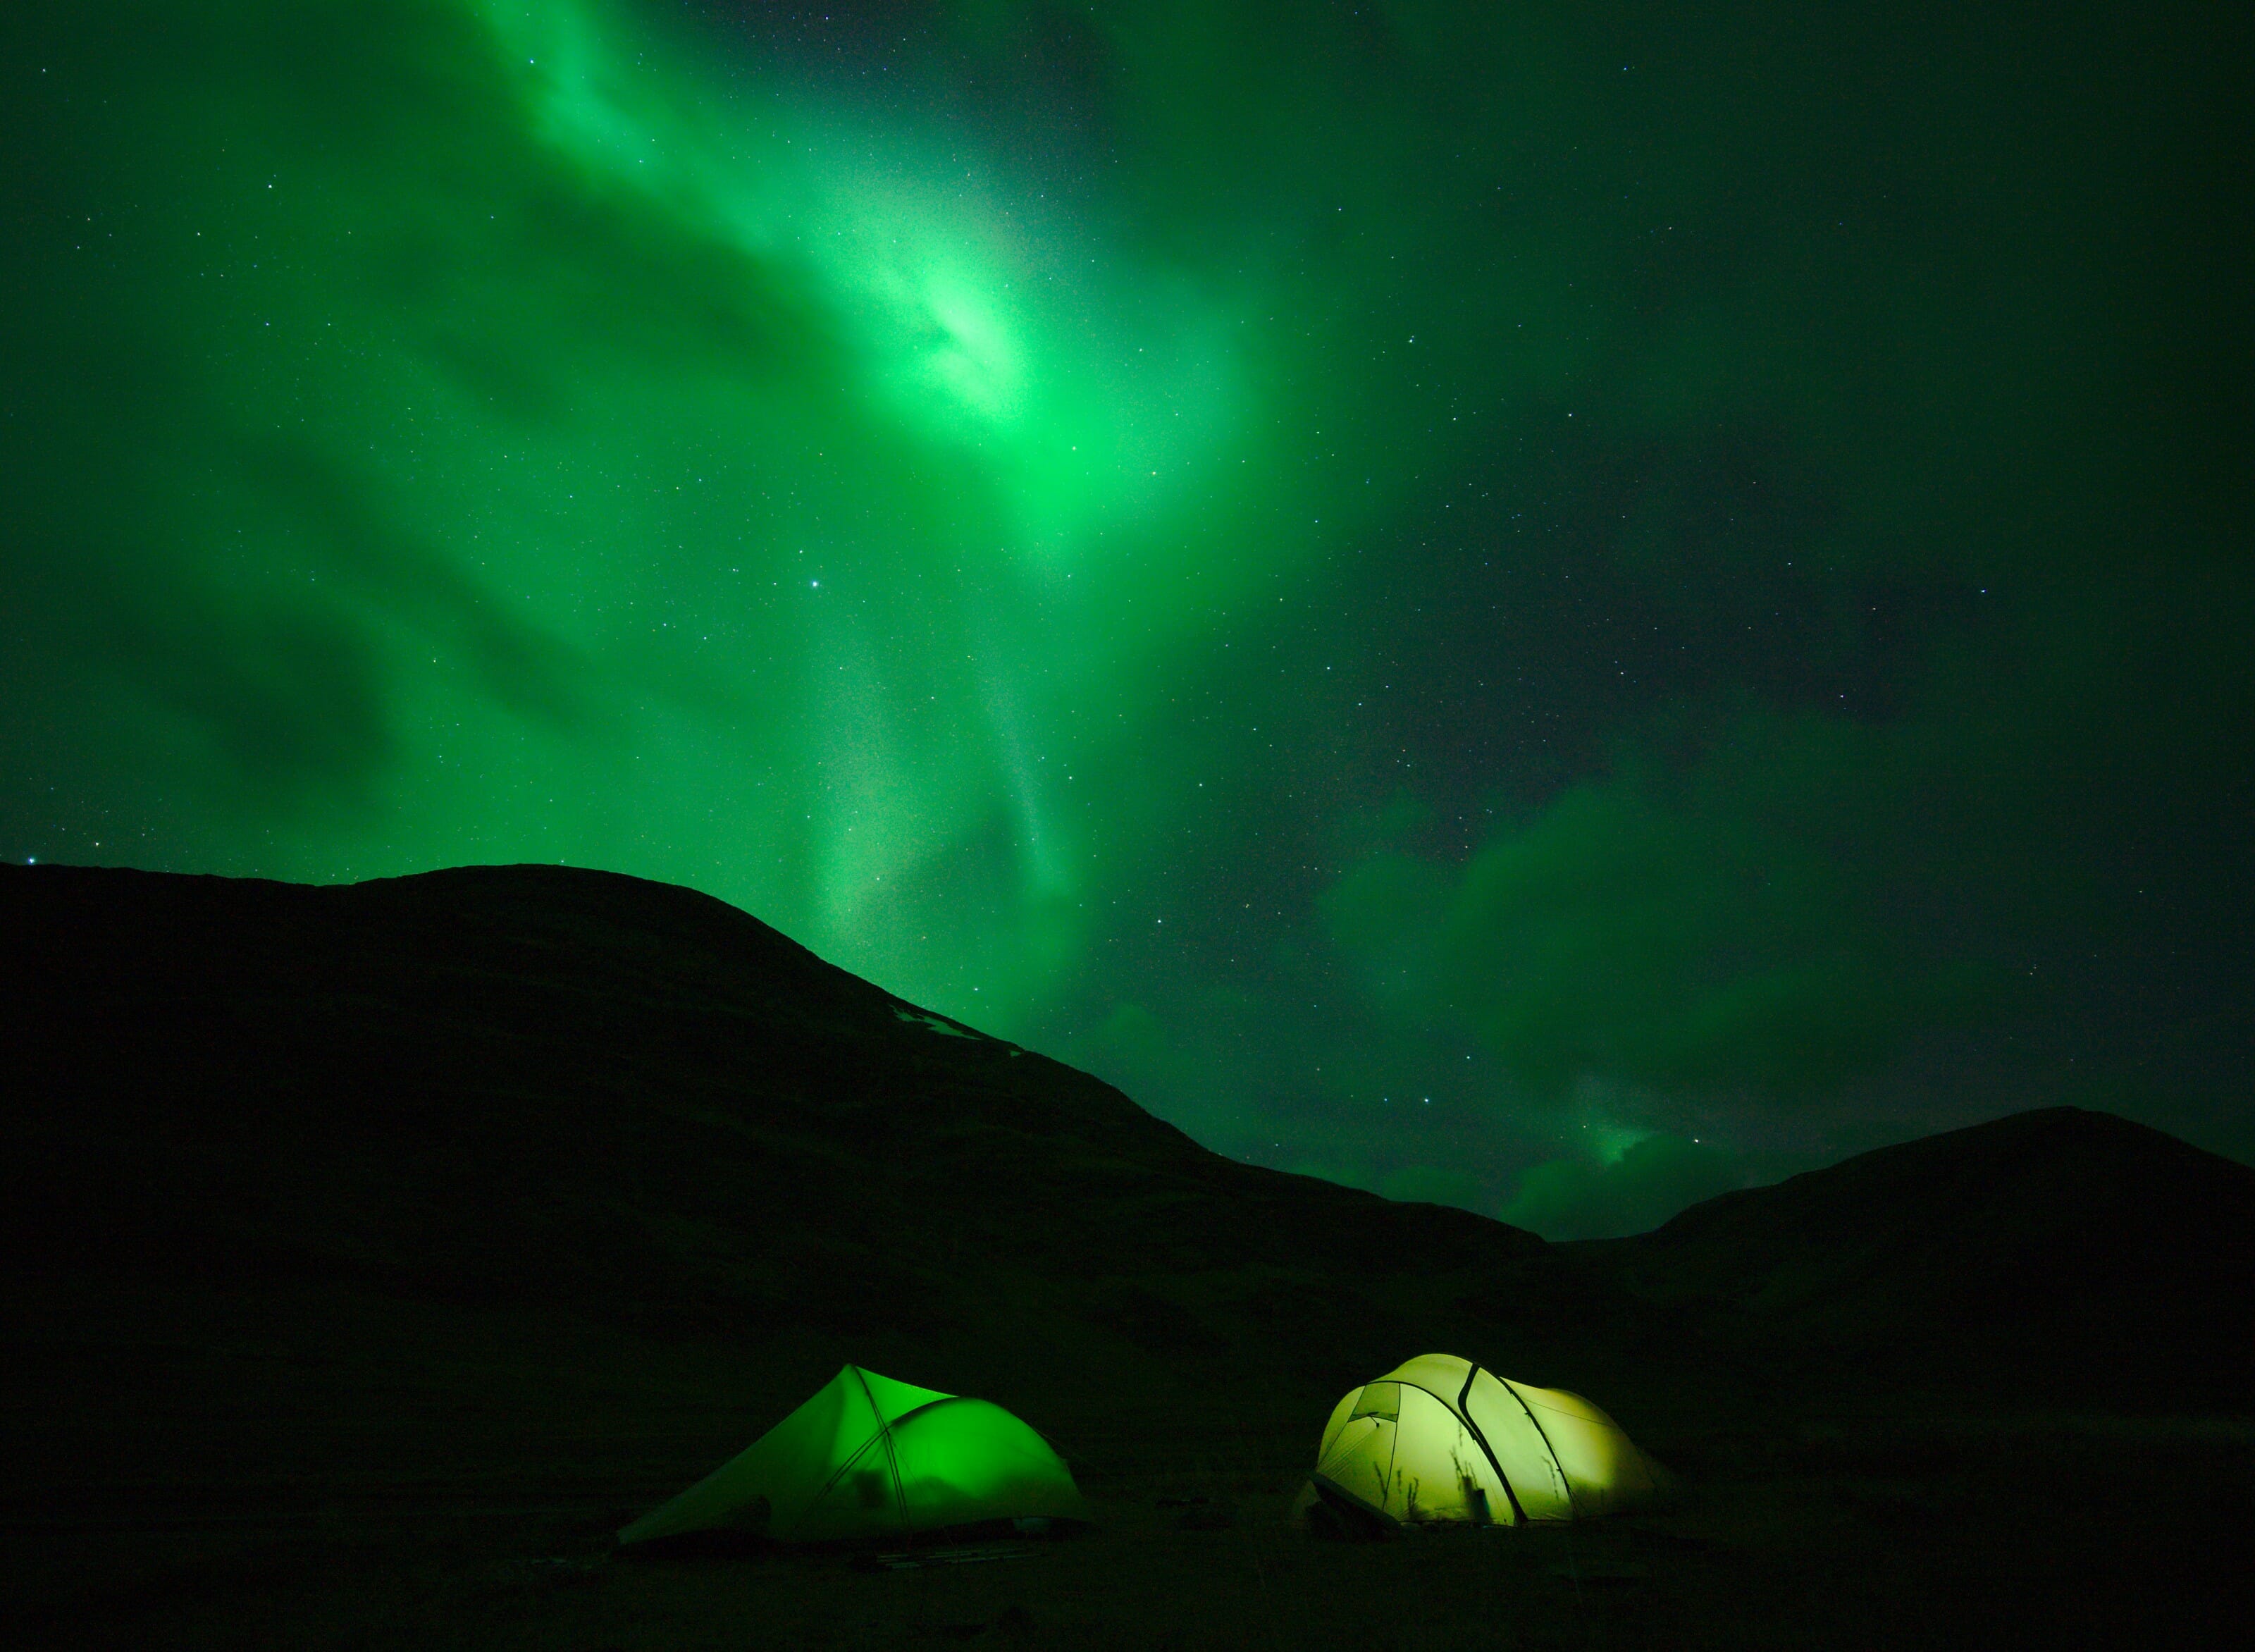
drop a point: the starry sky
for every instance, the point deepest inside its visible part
(1556, 608)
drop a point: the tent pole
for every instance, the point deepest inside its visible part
(892, 1461)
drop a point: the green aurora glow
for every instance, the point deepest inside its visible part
(1633, 577)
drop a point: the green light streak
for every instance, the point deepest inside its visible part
(696, 478)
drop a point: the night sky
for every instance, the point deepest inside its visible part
(1556, 608)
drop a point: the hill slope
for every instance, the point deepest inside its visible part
(2071, 1254)
(303, 1113)
(512, 1081)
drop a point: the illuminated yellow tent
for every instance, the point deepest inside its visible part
(1441, 1439)
(868, 1456)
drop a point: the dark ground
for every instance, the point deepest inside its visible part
(374, 1252)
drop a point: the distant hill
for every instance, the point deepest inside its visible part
(512, 1081)
(541, 1088)
(2071, 1254)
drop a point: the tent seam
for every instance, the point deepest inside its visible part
(1464, 1410)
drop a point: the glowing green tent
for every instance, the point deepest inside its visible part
(868, 1456)
(1441, 1439)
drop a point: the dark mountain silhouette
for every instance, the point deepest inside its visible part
(535, 1083)
(2064, 1252)
(304, 1112)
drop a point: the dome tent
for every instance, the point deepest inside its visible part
(868, 1457)
(1440, 1439)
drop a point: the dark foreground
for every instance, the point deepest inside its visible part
(372, 1254)
(2056, 1531)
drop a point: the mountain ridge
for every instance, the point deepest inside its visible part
(550, 1067)
(2009, 1247)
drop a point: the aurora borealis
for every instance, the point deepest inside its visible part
(1553, 608)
